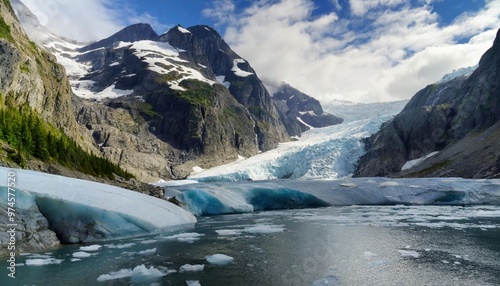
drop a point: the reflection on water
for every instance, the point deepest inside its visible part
(374, 245)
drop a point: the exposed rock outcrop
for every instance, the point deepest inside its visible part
(459, 118)
(32, 231)
(299, 111)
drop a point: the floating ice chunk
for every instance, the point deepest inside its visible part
(389, 184)
(42, 261)
(75, 259)
(120, 246)
(409, 253)
(445, 261)
(81, 254)
(149, 241)
(94, 247)
(228, 232)
(139, 273)
(193, 283)
(219, 259)
(329, 280)
(189, 237)
(191, 268)
(368, 254)
(148, 251)
(264, 229)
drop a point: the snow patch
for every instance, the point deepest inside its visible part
(222, 80)
(183, 30)
(237, 71)
(193, 283)
(412, 163)
(197, 169)
(302, 121)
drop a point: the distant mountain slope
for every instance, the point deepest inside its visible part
(459, 118)
(301, 112)
(38, 128)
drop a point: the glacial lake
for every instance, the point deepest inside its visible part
(353, 245)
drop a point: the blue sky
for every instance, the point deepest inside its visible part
(358, 50)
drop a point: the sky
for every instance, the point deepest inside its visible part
(355, 50)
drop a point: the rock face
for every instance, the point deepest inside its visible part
(31, 76)
(300, 112)
(459, 118)
(32, 231)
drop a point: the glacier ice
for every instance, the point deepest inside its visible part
(83, 211)
(330, 152)
(243, 197)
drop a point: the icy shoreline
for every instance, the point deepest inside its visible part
(250, 196)
(80, 211)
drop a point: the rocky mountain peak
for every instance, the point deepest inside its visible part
(301, 112)
(132, 33)
(460, 119)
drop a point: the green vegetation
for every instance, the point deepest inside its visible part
(258, 111)
(24, 69)
(433, 168)
(197, 93)
(5, 31)
(23, 129)
(145, 108)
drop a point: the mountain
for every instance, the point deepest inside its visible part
(180, 99)
(458, 118)
(301, 112)
(160, 105)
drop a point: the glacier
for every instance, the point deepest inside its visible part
(83, 211)
(321, 153)
(214, 198)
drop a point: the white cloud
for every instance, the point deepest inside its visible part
(396, 53)
(361, 7)
(87, 20)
